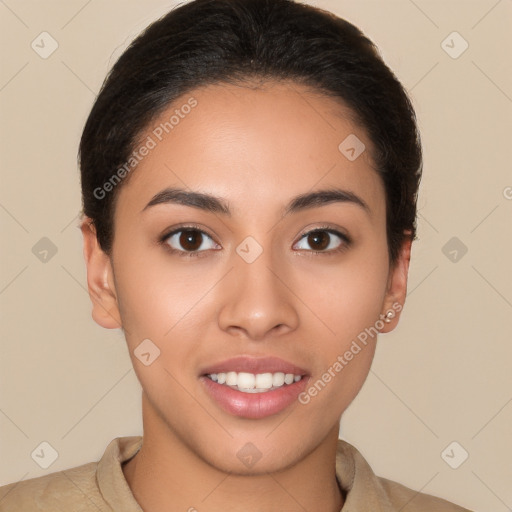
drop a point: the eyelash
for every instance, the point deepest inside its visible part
(197, 254)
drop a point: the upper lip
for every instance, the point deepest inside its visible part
(254, 365)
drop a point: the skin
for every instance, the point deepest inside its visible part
(257, 148)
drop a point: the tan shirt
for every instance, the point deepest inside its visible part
(101, 487)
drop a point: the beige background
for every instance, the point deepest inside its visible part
(443, 375)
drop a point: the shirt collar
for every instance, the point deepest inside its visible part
(110, 477)
(362, 487)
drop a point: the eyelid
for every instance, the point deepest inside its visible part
(327, 228)
(318, 228)
(184, 227)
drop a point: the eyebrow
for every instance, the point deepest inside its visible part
(215, 204)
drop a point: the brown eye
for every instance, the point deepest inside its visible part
(318, 240)
(324, 240)
(189, 241)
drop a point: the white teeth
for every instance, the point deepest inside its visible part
(278, 379)
(254, 383)
(231, 378)
(263, 380)
(288, 378)
(246, 380)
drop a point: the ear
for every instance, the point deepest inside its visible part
(100, 279)
(397, 286)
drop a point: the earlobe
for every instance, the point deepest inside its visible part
(397, 288)
(100, 282)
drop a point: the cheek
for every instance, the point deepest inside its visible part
(159, 293)
(341, 381)
(344, 298)
(164, 301)
(347, 298)
(342, 360)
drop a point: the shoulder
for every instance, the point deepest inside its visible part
(95, 486)
(73, 488)
(367, 491)
(403, 497)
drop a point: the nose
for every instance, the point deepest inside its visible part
(256, 301)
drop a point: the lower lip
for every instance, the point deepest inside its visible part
(254, 405)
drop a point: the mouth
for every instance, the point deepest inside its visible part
(254, 383)
(255, 388)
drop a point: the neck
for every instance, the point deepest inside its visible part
(166, 475)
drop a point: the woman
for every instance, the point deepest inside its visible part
(249, 175)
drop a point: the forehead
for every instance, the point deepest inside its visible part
(257, 145)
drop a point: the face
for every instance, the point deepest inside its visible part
(264, 277)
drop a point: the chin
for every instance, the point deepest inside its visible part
(244, 466)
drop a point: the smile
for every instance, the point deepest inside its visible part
(254, 383)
